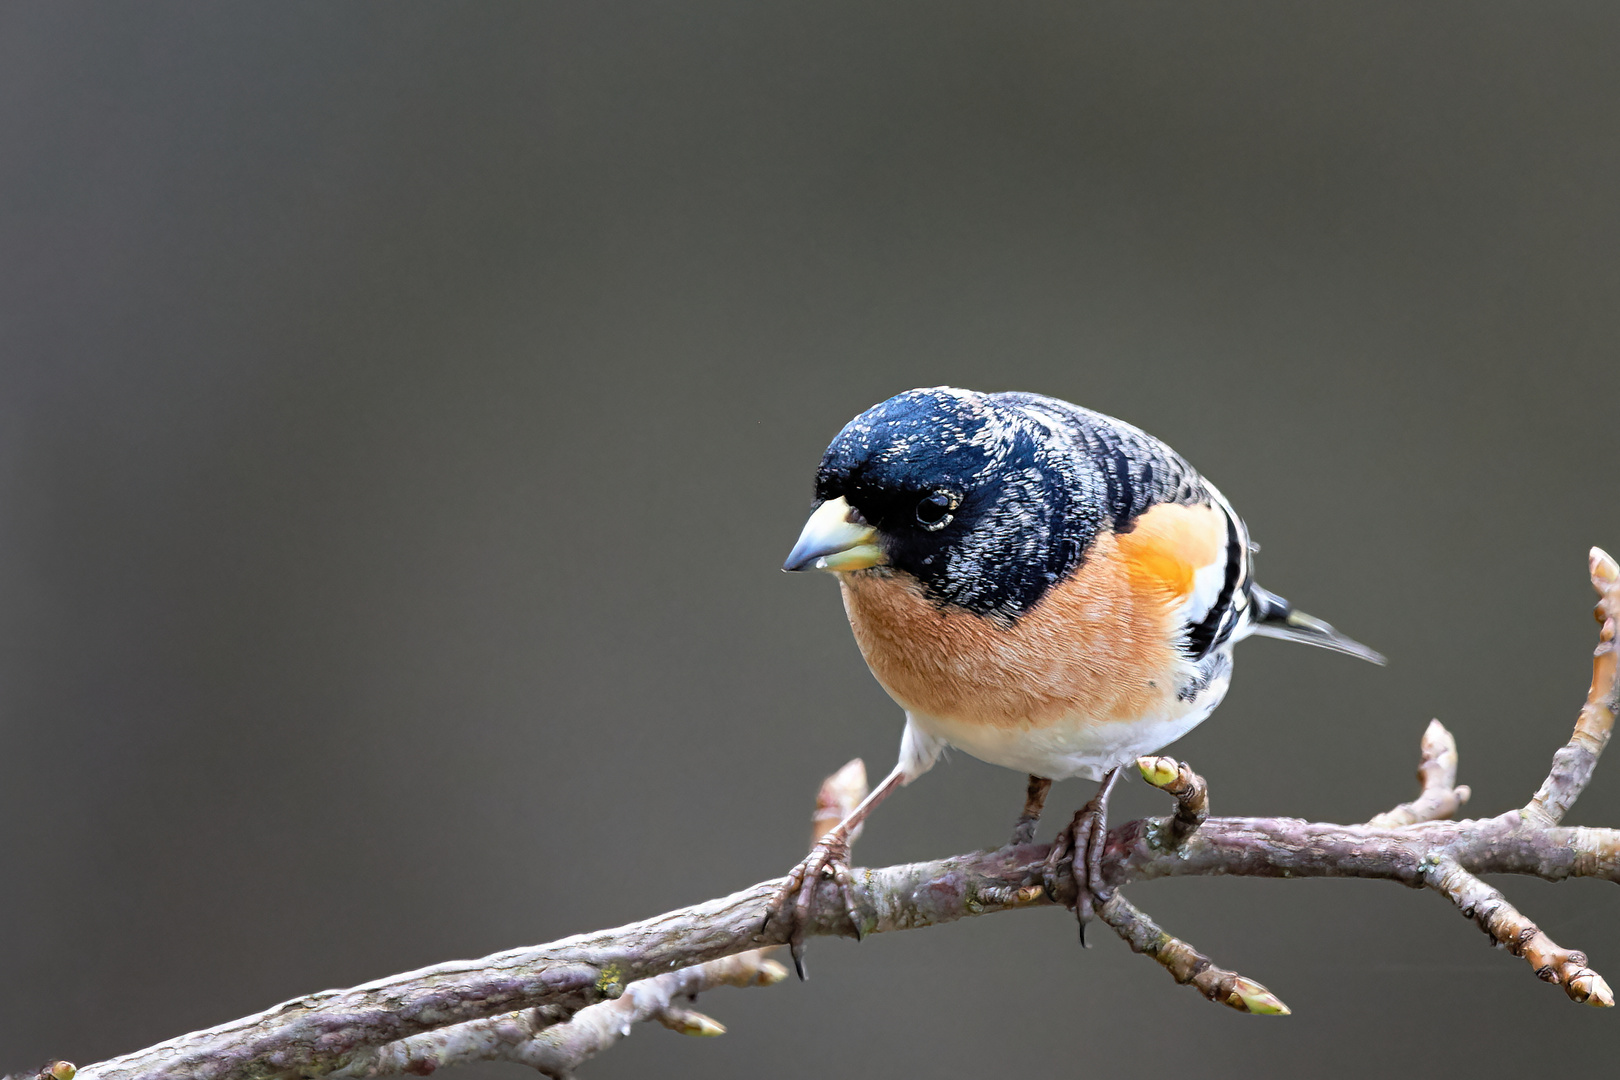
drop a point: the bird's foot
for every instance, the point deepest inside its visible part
(1078, 849)
(795, 904)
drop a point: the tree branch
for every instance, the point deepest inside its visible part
(1508, 928)
(377, 1028)
(542, 1038)
(1573, 765)
(532, 1037)
(1185, 963)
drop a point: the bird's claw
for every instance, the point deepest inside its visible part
(795, 903)
(1078, 850)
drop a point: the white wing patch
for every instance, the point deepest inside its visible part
(1207, 584)
(1236, 549)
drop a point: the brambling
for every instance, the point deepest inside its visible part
(1039, 585)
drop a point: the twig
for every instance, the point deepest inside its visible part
(1502, 921)
(322, 1033)
(1185, 963)
(1441, 796)
(1191, 793)
(531, 1037)
(1573, 765)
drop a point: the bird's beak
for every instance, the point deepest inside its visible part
(835, 538)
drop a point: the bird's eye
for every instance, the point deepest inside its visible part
(934, 510)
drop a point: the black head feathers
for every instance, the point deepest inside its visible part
(988, 500)
(968, 495)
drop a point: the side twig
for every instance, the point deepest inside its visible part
(1502, 921)
(1573, 765)
(531, 1037)
(1176, 778)
(1441, 797)
(1185, 963)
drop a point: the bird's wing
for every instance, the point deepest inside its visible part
(1194, 558)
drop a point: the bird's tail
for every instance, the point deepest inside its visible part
(1272, 616)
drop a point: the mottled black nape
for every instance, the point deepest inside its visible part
(1135, 469)
(1025, 483)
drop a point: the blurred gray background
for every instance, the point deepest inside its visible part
(406, 409)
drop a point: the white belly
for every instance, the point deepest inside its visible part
(1076, 746)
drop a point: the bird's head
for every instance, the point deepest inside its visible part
(970, 494)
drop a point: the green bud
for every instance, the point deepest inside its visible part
(1250, 996)
(1158, 771)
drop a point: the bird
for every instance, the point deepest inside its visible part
(1036, 584)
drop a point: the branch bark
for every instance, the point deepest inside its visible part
(379, 1027)
(1573, 765)
(532, 1037)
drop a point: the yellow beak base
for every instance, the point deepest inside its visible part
(836, 539)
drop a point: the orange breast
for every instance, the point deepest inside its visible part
(1100, 647)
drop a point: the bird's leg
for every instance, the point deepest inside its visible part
(1034, 802)
(828, 858)
(1094, 891)
(1080, 845)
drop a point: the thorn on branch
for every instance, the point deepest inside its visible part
(1441, 796)
(1177, 779)
(1185, 963)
